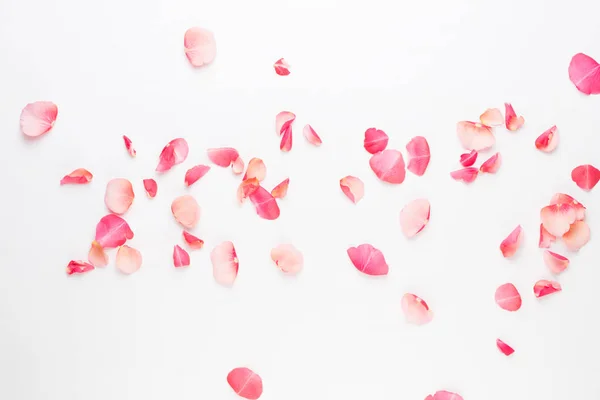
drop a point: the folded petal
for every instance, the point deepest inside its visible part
(418, 155)
(286, 140)
(256, 169)
(513, 123)
(280, 190)
(388, 165)
(543, 288)
(246, 188)
(287, 258)
(368, 260)
(112, 231)
(492, 164)
(467, 175)
(585, 176)
(245, 383)
(375, 141)
(546, 238)
(78, 177)
(353, 188)
(561, 198)
(225, 263)
(128, 260)
(119, 195)
(283, 122)
(38, 118)
(491, 117)
(175, 152)
(181, 258)
(504, 348)
(78, 267)
(468, 159)
(555, 262)
(311, 136)
(577, 236)
(584, 72)
(129, 146)
(414, 217)
(151, 187)
(200, 46)
(557, 218)
(223, 156)
(548, 140)
(193, 174)
(96, 256)
(475, 136)
(192, 241)
(186, 211)
(282, 68)
(508, 297)
(511, 244)
(265, 204)
(416, 310)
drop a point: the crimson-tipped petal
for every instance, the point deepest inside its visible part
(78, 267)
(510, 245)
(280, 190)
(353, 188)
(466, 175)
(193, 174)
(368, 260)
(282, 68)
(200, 46)
(585, 176)
(513, 123)
(548, 140)
(584, 72)
(543, 288)
(80, 176)
(468, 159)
(112, 231)
(388, 165)
(418, 155)
(119, 195)
(192, 241)
(577, 236)
(129, 146)
(265, 204)
(375, 141)
(38, 118)
(128, 260)
(475, 136)
(175, 152)
(181, 258)
(245, 383)
(508, 297)
(186, 211)
(414, 217)
(491, 117)
(416, 310)
(492, 164)
(287, 258)
(225, 263)
(151, 187)
(555, 262)
(504, 348)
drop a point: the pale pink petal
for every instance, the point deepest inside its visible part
(151, 187)
(280, 190)
(548, 140)
(256, 169)
(504, 348)
(466, 175)
(510, 245)
(367, 259)
(555, 262)
(508, 297)
(128, 260)
(577, 236)
(192, 241)
(238, 166)
(416, 310)
(586, 176)
(475, 136)
(119, 195)
(287, 258)
(557, 218)
(492, 164)
(282, 68)
(224, 156)
(181, 258)
(388, 165)
(584, 72)
(129, 146)
(543, 288)
(246, 188)
(78, 267)
(186, 211)
(414, 217)
(38, 118)
(375, 140)
(353, 188)
(418, 155)
(283, 126)
(444, 395)
(225, 263)
(560, 198)
(491, 117)
(78, 177)
(513, 123)
(175, 152)
(97, 256)
(546, 238)
(245, 383)
(193, 174)
(199, 46)
(468, 159)
(311, 136)
(265, 204)
(112, 231)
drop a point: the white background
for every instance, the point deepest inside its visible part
(410, 68)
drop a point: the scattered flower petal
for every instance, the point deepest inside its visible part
(223, 156)
(78, 267)
(560, 198)
(78, 177)
(513, 123)
(548, 140)
(283, 125)
(508, 297)
(444, 395)
(193, 174)
(287, 258)
(265, 204)
(577, 236)
(181, 258)
(119, 195)
(200, 46)
(466, 175)
(504, 348)
(38, 118)
(368, 260)
(112, 231)
(128, 260)
(557, 218)
(492, 164)
(586, 176)
(388, 165)
(311, 136)
(475, 136)
(151, 187)
(129, 146)
(245, 383)
(280, 190)
(555, 262)
(584, 72)
(468, 159)
(282, 68)
(225, 263)
(238, 166)
(416, 310)
(246, 188)
(418, 155)
(491, 117)
(376, 140)
(192, 241)
(510, 245)
(186, 211)
(353, 188)
(96, 256)
(414, 217)
(543, 288)
(546, 238)
(256, 169)
(175, 152)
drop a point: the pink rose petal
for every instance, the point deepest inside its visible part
(283, 126)
(353, 188)
(129, 146)
(513, 123)
(200, 46)
(287, 258)
(444, 395)
(119, 195)
(186, 211)
(584, 72)
(375, 140)
(468, 159)
(181, 258)
(508, 297)
(78, 177)
(416, 310)
(192, 241)
(504, 348)
(265, 204)
(238, 166)
(368, 260)
(543, 288)
(466, 175)
(38, 118)
(225, 263)
(561, 198)
(128, 260)
(414, 217)
(310, 135)
(491, 117)
(96, 256)
(256, 169)
(223, 156)
(388, 165)
(577, 236)
(555, 262)
(282, 68)
(492, 164)
(418, 155)
(112, 231)
(246, 188)
(557, 218)
(78, 267)
(280, 190)
(175, 152)
(475, 136)
(548, 140)
(510, 245)
(546, 238)
(193, 174)
(151, 187)
(245, 383)
(586, 176)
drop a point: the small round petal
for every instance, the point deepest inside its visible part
(548, 140)
(584, 72)
(577, 236)
(245, 383)
(475, 136)
(368, 260)
(310, 135)
(246, 188)
(467, 175)
(513, 123)
(468, 159)
(508, 297)
(192, 241)
(264, 203)
(511, 244)
(504, 348)
(119, 195)
(287, 258)
(78, 267)
(388, 165)
(97, 256)
(225, 263)
(200, 46)
(223, 156)
(418, 155)
(543, 288)
(280, 190)
(256, 169)
(546, 238)
(561, 198)
(129, 146)
(80, 176)
(181, 258)
(414, 217)
(557, 218)
(491, 117)
(375, 141)
(175, 152)
(112, 231)
(585, 176)
(128, 260)
(555, 262)
(282, 68)
(186, 211)
(492, 164)
(151, 187)
(353, 188)
(38, 118)
(416, 310)
(195, 173)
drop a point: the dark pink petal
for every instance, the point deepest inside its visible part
(367, 259)
(375, 140)
(245, 383)
(418, 155)
(557, 218)
(287, 258)
(38, 118)
(256, 169)
(586, 176)
(504, 348)
(414, 217)
(280, 190)
(286, 140)
(112, 231)
(192, 241)
(78, 267)
(186, 211)
(555, 262)
(78, 177)
(224, 156)
(129, 146)
(311, 136)
(181, 258)
(119, 195)
(548, 140)
(491, 117)
(577, 236)
(584, 72)
(416, 310)
(225, 263)
(508, 297)
(193, 174)
(388, 165)
(96, 256)
(466, 175)
(546, 238)
(353, 188)
(200, 46)
(283, 126)
(246, 188)
(510, 245)
(175, 152)
(468, 159)
(513, 123)
(492, 164)
(265, 204)
(444, 395)
(282, 68)
(129, 260)
(475, 136)
(151, 187)
(543, 288)
(561, 198)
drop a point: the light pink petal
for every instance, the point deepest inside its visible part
(151, 187)
(548, 140)
(510, 245)
(555, 262)
(119, 195)
(224, 156)
(468, 159)
(225, 263)
(492, 164)
(112, 231)
(238, 166)
(287, 258)
(444, 395)
(466, 175)
(508, 297)
(78, 267)
(246, 188)
(181, 258)
(353, 188)
(78, 177)
(577, 236)
(388, 165)
(283, 122)
(546, 238)
(414, 217)
(97, 256)
(418, 155)
(129, 260)
(491, 117)
(286, 140)
(129, 146)
(557, 218)
(265, 204)
(586, 176)
(475, 136)
(584, 72)
(192, 241)
(282, 68)
(186, 211)
(367, 259)
(38, 118)
(256, 169)
(416, 310)
(543, 288)
(199, 46)
(311, 136)
(375, 140)
(175, 152)
(513, 123)
(504, 348)
(245, 383)
(193, 174)
(560, 198)
(280, 190)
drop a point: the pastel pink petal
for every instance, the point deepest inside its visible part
(388, 165)
(128, 260)
(256, 169)
(546, 238)
(311, 136)
(557, 218)
(195, 173)
(511, 244)
(175, 152)
(543, 288)
(151, 187)
(119, 195)
(181, 258)
(80, 176)
(513, 123)
(491, 117)
(112, 231)
(555, 262)
(508, 297)
(224, 156)
(375, 140)
(416, 310)
(466, 175)
(586, 176)
(584, 72)
(418, 155)
(468, 159)
(265, 204)
(353, 188)
(287, 258)
(560, 198)
(192, 241)
(414, 217)
(430, 397)
(225, 263)
(238, 166)
(475, 136)
(492, 164)
(186, 211)
(280, 190)
(577, 236)
(548, 140)
(97, 256)
(129, 146)
(444, 395)
(282, 68)
(200, 46)
(283, 122)
(38, 118)
(368, 260)
(245, 383)
(286, 140)
(504, 348)
(78, 267)
(246, 188)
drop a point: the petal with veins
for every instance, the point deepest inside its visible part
(555, 262)
(510, 245)
(584, 72)
(265, 204)
(467, 175)
(128, 260)
(513, 123)
(200, 46)
(416, 310)
(418, 155)
(585, 176)
(38, 118)
(112, 231)
(223, 156)
(225, 263)
(181, 258)
(557, 218)
(543, 288)
(175, 152)
(119, 195)
(375, 141)
(78, 267)
(577, 236)
(475, 136)
(129, 146)
(151, 187)
(368, 260)
(186, 211)
(491, 117)
(287, 258)
(548, 140)
(97, 256)
(560, 198)
(246, 188)
(546, 238)
(282, 68)
(192, 241)
(504, 348)
(492, 164)
(353, 188)
(256, 169)
(468, 159)
(508, 297)
(193, 174)
(311, 136)
(414, 217)
(388, 165)
(245, 383)
(280, 190)
(78, 177)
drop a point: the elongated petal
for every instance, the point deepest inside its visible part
(256, 169)
(223, 156)
(388, 165)
(246, 188)
(287, 258)
(468, 159)
(310, 135)
(368, 260)
(129, 146)
(265, 204)
(585, 176)
(577, 236)
(418, 155)
(200, 46)
(466, 175)
(245, 383)
(543, 288)
(129, 260)
(508, 297)
(475, 136)
(414, 217)
(175, 152)
(546, 238)
(416, 310)
(504, 348)
(78, 267)
(548, 140)
(375, 141)
(492, 164)
(193, 174)
(584, 72)
(555, 262)
(225, 263)
(280, 190)
(513, 123)
(444, 395)
(353, 188)
(96, 256)
(557, 218)
(238, 166)
(186, 211)
(119, 195)
(78, 177)
(561, 198)
(286, 140)
(511, 244)
(284, 121)
(491, 117)
(282, 68)
(38, 118)
(192, 241)
(112, 231)
(151, 187)
(181, 258)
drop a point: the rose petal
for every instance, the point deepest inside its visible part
(513, 123)
(265, 204)
(560, 198)
(238, 166)
(246, 188)
(548, 140)
(543, 288)
(368, 260)
(557, 218)
(491, 117)
(129, 146)
(577, 236)
(225, 263)
(112, 231)
(388, 165)
(38, 118)
(245, 383)
(375, 140)
(468, 159)
(311, 136)
(128, 260)
(283, 126)
(492, 164)
(508, 297)
(586, 176)
(200, 46)
(181, 258)
(510, 245)
(286, 140)
(282, 68)
(466, 175)
(193, 174)
(151, 187)
(280, 190)
(414, 217)
(504, 348)
(475, 136)
(416, 310)
(546, 238)
(186, 211)
(444, 395)
(584, 72)
(96, 256)
(256, 169)
(555, 262)
(223, 156)
(192, 241)
(119, 195)
(287, 258)
(418, 155)
(78, 177)
(353, 188)
(78, 267)
(175, 152)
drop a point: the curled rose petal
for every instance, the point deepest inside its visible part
(225, 263)
(286, 140)
(238, 166)
(475, 136)
(129, 146)
(418, 155)
(546, 238)
(256, 169)
(513, 123)
(175, 152)
(192, 241)
(97, 256)
(508, 297)
(510, 245)
(287, 258)
(151, 187)
(585, 176)
(200, 46)
(543, 288)
(504, 348)
(467, 175)
(492, 164)
(548, 140)
(368, 260)
(119, 195)
(195, 173)
(282, 68)
(376, 140)
(186, 211)
(414, 217)
(310, 135)
(112, 231)
(280, 190)
(388, 165)
(38, 118)
(416, 310)
(560, 198)
(283, 125)
(468, 159)
(265, 204)
(444, 395)
(245, 383)
(555, 262)
(246, 188)
(78, 177)
(353, 188)
(491, 117)
(223, 156)
(128, 260)
(577, 236)
(78, 267)
(557, 218)
(181, 258)
(584, 72)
